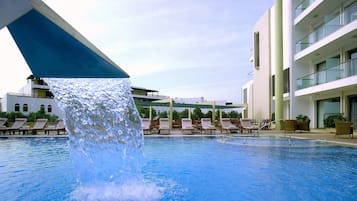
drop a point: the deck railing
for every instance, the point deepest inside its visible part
(302, 6)
(340, 71)
(332, 24)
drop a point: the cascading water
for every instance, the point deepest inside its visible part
(105, 138)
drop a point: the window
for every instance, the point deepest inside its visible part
(352, 54)
(286, 78)
(49, 108)
(245, 94)
(321, 73)
(352, 63)
(328, 70)
(273, 85)
(326, 108)
(25, 108)
(17, 107)
(256, 50)
(42, 107)
(351, 13)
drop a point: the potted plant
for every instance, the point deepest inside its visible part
(303, 122)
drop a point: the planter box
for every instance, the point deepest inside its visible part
(303, 125)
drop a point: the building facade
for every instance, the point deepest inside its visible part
(36, 95)
(319, 56)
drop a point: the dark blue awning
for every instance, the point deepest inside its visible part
(51, 51)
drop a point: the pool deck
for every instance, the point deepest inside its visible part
(325, 135)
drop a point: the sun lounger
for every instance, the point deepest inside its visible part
(207, 125)
(3, 122)
(187, 125)
(265, 124)
(19, 122)
(146, 122)
(38, 126)
(164, 125)
(58, 128)
(226, 125)
(247, 125)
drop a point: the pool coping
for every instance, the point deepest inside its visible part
(321, 136)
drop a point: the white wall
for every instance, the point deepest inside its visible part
(261, 90)
(33, 104)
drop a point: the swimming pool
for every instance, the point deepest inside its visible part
(193, 168)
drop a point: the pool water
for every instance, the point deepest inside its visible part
(193, 168)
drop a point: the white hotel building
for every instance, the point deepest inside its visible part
(36, 95)
(317, 67)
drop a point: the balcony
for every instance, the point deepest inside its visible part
(302, 6)
(39, 86)
(331, 25)
(334, 73)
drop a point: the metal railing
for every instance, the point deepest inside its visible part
(302, 6)
(340, 71)
(332, 24)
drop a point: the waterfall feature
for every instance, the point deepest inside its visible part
(105, 138)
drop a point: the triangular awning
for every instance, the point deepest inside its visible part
(53, 48)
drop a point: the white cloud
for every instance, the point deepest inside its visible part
(147, 37)
(14, 69)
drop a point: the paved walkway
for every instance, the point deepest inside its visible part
(326, 135)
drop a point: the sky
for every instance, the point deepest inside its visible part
(185, 49)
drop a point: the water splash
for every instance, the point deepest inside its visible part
(105, 138)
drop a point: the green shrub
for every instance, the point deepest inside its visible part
(163, 114)
(208, 114)
(41, 114)
(3, 115)
(145, 112)
(12, 115)
(301, 117)
(233, 114)
(224, 114)
(197, 113)
(329, 121)
(183, 114)
(175, 115)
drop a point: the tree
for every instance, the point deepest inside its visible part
(184, 114)
(197, 113)
(145, 112)
(208, 114)
(224, 115)
(163, 114)
(41, 114)
(233, 114)
(175, 115)
(12, 115)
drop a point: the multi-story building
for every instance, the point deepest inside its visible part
(317, 49)
(36, 95)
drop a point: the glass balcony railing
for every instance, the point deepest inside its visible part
(332, 24)
(302, 6)
(340, 71)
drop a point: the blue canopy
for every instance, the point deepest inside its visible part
(52, 51)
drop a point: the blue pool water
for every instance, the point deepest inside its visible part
(191, 169)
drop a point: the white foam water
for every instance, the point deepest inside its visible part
(110, 192)
(105, 138)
